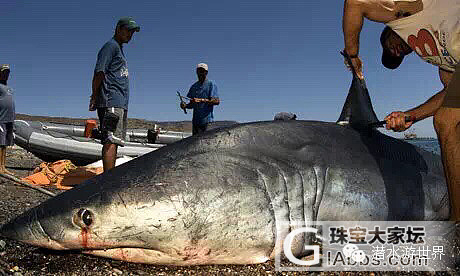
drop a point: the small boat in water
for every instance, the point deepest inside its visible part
(410, 136)
(51, 142)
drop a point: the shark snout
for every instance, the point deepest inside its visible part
(27, 229)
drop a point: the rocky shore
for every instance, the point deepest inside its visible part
(19, 259)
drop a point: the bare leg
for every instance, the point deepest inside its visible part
(447, 125)
(3, 160)
(109, 155)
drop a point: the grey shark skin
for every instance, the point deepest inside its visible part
(223, 197)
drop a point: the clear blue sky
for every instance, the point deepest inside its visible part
(265, 56)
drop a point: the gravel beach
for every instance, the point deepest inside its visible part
(19, 259)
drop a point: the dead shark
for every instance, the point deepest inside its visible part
(221, 197)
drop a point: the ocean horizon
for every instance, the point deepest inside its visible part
(428, 144)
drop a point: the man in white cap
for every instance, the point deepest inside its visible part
(7, 115)
(111, 90)
(203, 97)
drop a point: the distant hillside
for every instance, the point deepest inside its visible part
(185, 126)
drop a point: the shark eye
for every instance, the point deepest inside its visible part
(83, 218)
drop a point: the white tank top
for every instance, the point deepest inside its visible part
(433, 33)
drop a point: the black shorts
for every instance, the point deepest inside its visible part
(196, 129)
(113, 133)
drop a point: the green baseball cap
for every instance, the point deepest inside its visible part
(129, 23)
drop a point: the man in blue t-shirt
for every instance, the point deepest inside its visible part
(7, 115)
(111, 90)
(203, 97)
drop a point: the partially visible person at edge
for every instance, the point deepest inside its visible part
(203, 97)
(111, 90)
(432, 29)
(7, 116)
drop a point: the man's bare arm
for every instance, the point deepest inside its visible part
(98, 78)
(212, 101)
(354, 13)
(430, 107)
(396, 121)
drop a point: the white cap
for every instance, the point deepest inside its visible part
(4, 67)
(202, 65)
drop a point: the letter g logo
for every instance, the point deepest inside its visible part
(288, 243)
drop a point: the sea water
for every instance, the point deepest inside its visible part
(428, 144)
